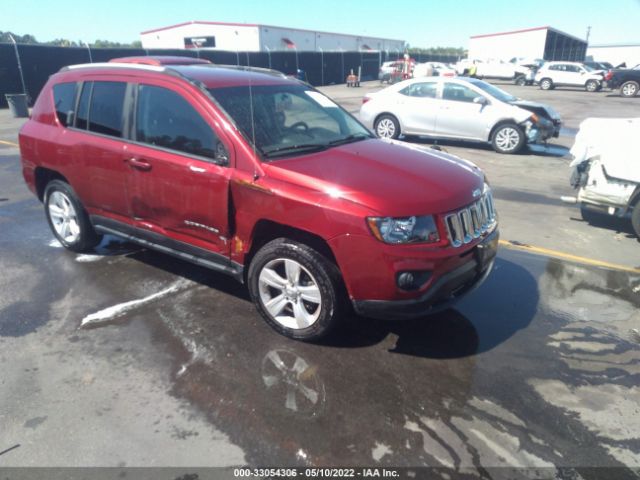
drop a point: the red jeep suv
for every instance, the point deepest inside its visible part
(261, 177)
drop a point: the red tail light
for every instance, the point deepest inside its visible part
(609, 75)
(365, 100)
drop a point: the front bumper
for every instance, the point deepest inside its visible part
(443, 293)
(543, 130)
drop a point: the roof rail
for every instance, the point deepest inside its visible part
(161, 60)
(151, 68)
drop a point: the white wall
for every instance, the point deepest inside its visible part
(252, 39)
(314, 41)
(504, 47)
(228, 37)
(616, 55)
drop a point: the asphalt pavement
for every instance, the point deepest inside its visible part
(127, 357)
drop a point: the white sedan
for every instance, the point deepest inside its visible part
(461, 108)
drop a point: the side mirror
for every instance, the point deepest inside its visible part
(480, 100)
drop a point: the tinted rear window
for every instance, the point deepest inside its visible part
(105, 111)
(64, 97)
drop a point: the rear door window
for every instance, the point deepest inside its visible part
(64, 98)
(422, 89)
(105, 110)
(166, 119)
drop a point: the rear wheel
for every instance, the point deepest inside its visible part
(520, 80)
(546, 84)
(507, 138)
(592, 86)
(387, 126)
(296, 289)
(629, 89)
(68, 219)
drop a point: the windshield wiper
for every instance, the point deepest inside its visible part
(349, 139)
(302, 148)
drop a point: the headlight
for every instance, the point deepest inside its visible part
(404, 230)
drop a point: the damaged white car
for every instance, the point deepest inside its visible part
(606, 161)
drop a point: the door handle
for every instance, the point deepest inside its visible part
(139, 164)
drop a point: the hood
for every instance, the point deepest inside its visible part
(389, 177)
(537, 108)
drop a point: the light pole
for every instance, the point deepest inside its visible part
(237, 53)
(295, 49)
(268, 55)
(321, 66)
(88, 50)
(15, 46)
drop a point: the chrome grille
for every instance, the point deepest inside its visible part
(470, 222)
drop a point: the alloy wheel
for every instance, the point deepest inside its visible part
(386, 128)
(507, 139)
(64, 217)
(629, 90)
(290, 293)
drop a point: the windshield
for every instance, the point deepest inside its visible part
(495, 92)
(288, 119)
(588, 68)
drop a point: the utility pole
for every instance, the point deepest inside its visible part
(588, 33)
(15, 46)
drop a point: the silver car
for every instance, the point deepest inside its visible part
(461, 108)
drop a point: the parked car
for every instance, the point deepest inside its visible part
(394, 72)
(462, 108)
(602, 66)
(438, 69)
(261, 177)
(626, 79)
(493, 69)
(384, 73)
(606, 169)
(526, 74)
(569, 74)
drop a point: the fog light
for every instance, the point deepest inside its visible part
(405, 280)
(412, 280)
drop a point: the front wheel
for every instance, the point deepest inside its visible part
(387, 126)
(592, 86)
(508, 138)
(68, 219)
(629, 89)
(520, 81)
(296, 289)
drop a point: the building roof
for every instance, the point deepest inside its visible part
(259, 25)
(513, 32)
(615, 45)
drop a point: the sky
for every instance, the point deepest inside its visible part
(422, 23)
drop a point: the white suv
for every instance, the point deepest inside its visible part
(568, 74)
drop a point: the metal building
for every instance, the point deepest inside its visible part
(616, 54)
(261, 38)
(540, 42)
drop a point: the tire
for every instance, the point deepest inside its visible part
(629, 89)
(284, 269)
(387, 126)
(68, 219)
(546, 84)
(592, 86)
(520, 80)
(508, 138)
(635, 219)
